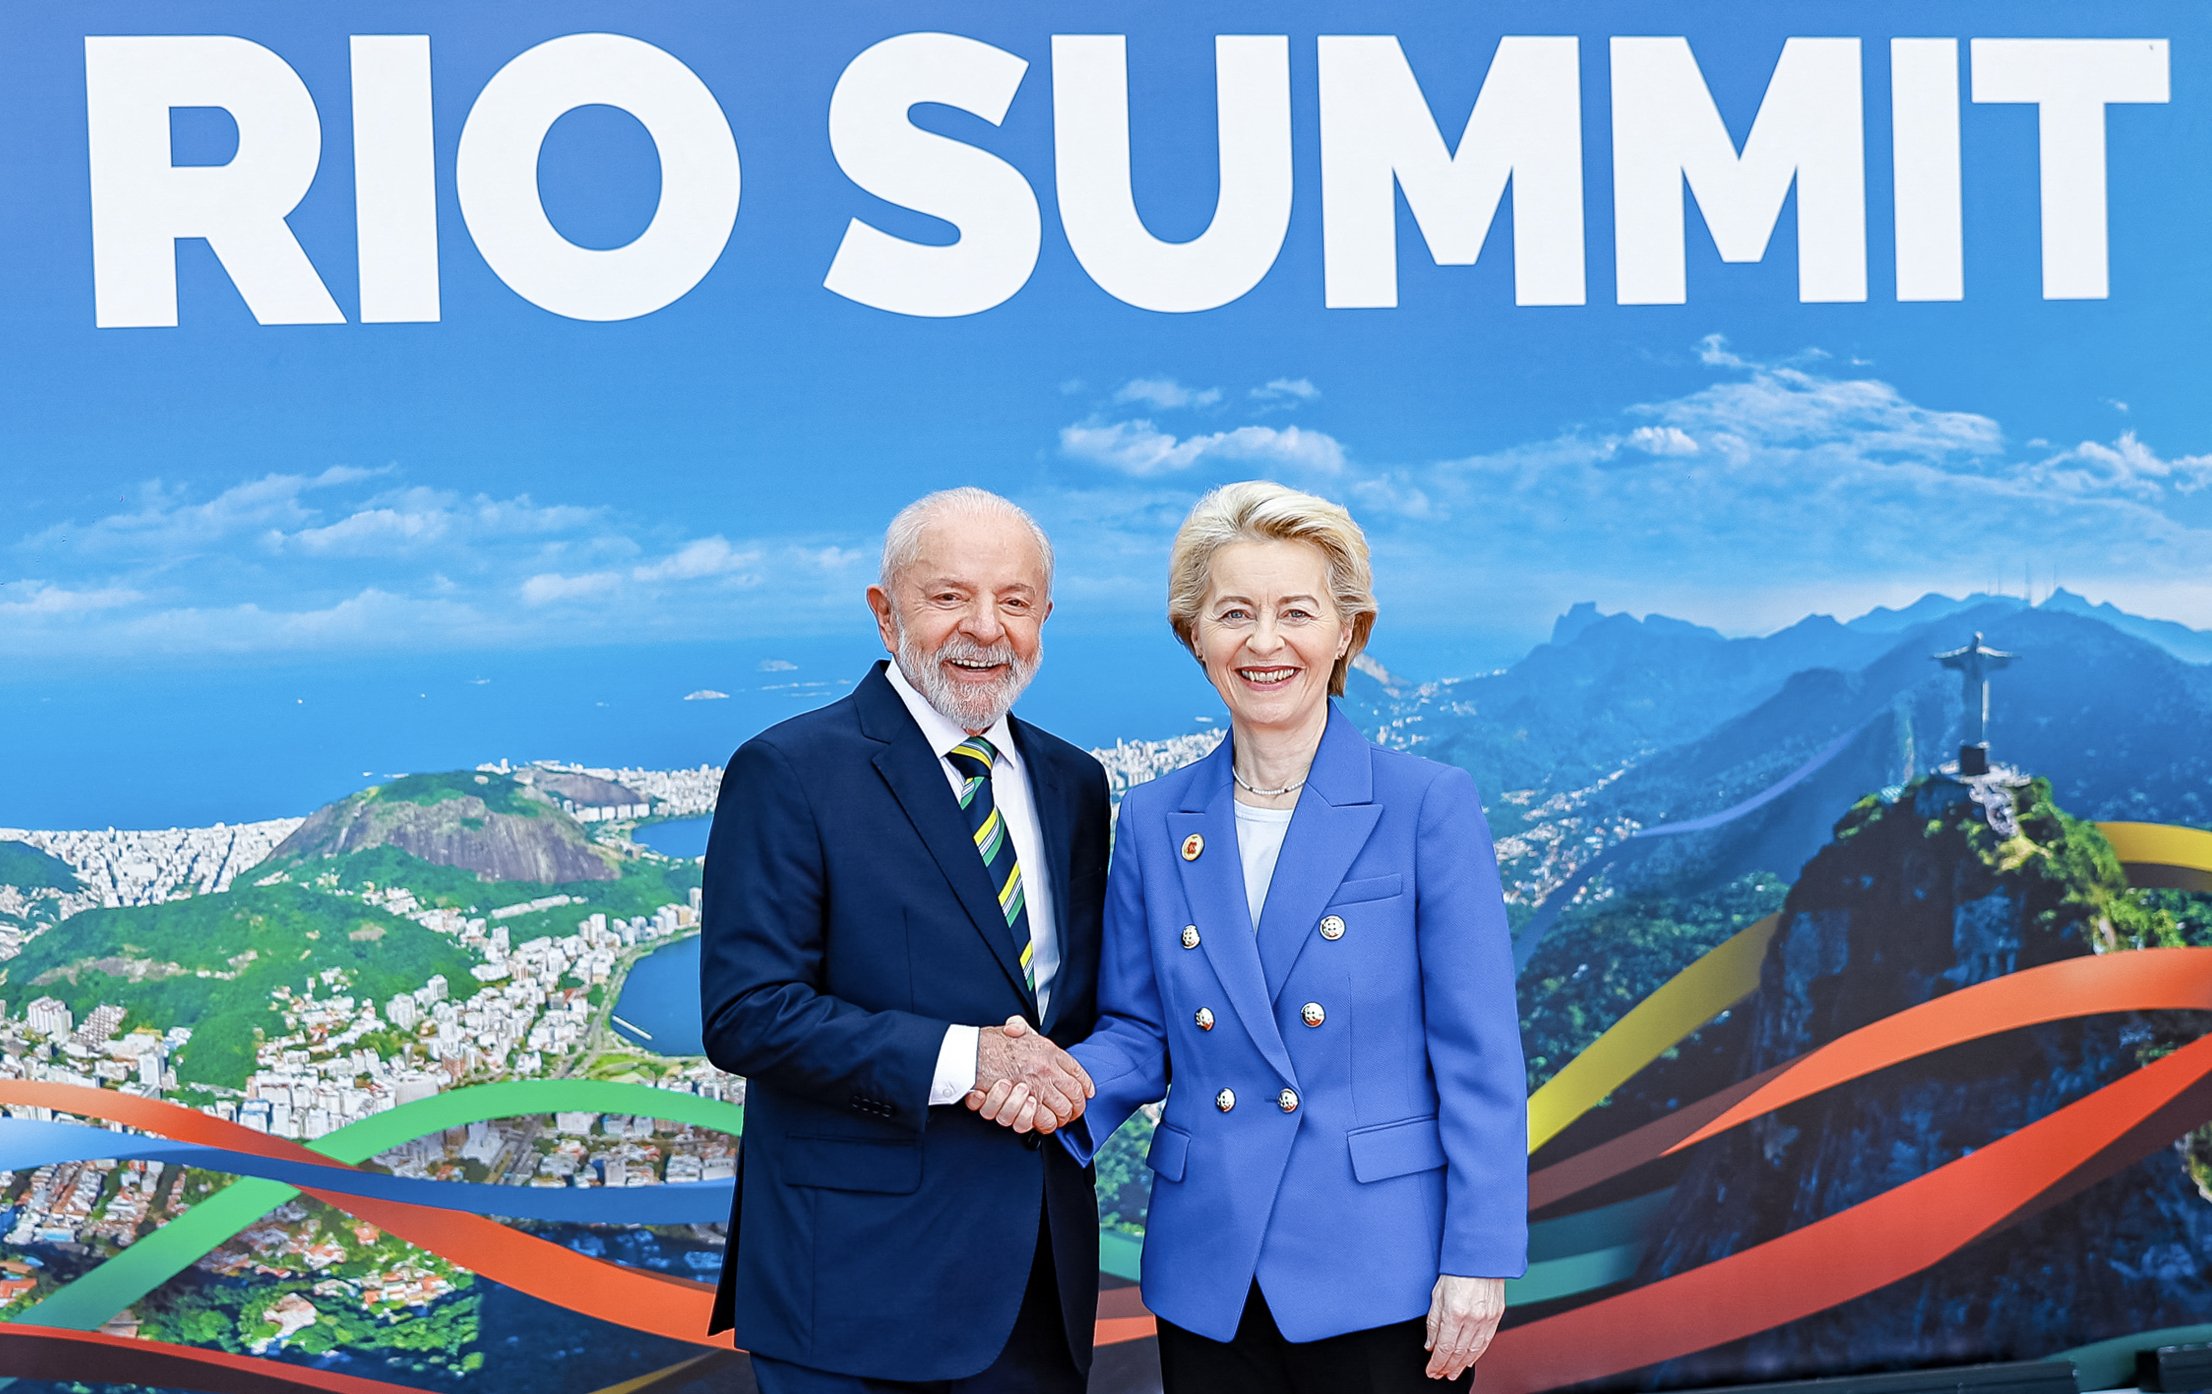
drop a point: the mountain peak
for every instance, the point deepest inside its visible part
(1580, 616)
(1584, 616)
(493, 825)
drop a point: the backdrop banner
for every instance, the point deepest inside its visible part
(435, 437)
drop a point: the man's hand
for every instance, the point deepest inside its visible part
(1463, 1316)
(1024, 1081)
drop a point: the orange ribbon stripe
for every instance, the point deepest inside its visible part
(1867, 1246)
(634, 1297)
(53, 1353)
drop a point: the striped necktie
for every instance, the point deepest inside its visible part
(972, 760)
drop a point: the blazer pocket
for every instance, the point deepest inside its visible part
(887, 1167)
(1368, 888)
(1170, 1152)
(1395, 1149)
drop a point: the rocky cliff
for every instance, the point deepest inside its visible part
(1914, 899)
(487, 824)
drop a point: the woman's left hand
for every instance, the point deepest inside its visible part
(1463, 1316)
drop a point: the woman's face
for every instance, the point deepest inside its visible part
(1268, 633)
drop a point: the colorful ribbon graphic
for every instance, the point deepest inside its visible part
(1833, 1260)
(1867, 1246)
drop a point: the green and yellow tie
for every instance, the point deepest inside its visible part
(972, 760)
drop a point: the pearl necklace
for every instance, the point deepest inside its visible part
(1266, 793)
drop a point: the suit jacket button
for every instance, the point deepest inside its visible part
(1332, 927)
(1312, 1015)
(1205, 1018)
(1033, 1141)
(1225, 1100)
(1287, 1101)
(1190, 936)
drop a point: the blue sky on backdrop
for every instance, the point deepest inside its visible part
(509, 479)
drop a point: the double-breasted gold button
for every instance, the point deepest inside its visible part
(1190, 936)
(1332, 926)
(1205, 1018)
(1312, 1015)
(1225, 1100)
(1287, 1101)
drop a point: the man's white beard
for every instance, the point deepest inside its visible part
(975, 708)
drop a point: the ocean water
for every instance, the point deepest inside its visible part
(188, 744)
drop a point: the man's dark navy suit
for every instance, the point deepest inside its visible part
(848, 921)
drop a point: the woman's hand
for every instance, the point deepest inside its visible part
(1463, 1316)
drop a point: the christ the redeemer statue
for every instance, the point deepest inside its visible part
(1974, 664)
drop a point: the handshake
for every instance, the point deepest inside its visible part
(1024, 1081)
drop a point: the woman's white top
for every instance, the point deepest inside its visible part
(1259, 842)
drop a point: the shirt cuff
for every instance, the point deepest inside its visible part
(955, 1066)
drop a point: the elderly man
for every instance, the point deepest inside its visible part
(903, 896)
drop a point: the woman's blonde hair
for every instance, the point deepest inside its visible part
(1257, 510)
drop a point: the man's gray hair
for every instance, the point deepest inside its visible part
(902, 541)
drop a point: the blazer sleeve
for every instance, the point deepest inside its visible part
(761, 960)
(1126, 1056)
(1474, 1037)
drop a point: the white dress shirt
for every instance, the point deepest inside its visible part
(1010, 792)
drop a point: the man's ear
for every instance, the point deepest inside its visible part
(879, 601)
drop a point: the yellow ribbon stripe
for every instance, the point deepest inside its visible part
(2158, 852)
(2184, 854)
(1723, 977)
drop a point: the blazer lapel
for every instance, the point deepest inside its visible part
(1056, 829)
(1334, 819)
(1213, 883)
(918, 782)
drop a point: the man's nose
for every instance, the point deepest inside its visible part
(981, 622)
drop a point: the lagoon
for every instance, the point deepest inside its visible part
(659, 1005)
(678, 837)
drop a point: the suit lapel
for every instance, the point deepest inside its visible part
(1334, 819)
(919, 784)
(1213, 884)
(1056, 829)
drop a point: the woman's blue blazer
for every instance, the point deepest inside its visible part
(1370, 1142)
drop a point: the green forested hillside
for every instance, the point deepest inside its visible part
(27, 868)
(213, 962)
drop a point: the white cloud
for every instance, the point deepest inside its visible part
(1165, 394)
(708, 556)
(778, 665)
(167, 525)
(1661, 440)
(1301, 389)
(549, 587)
(405, 520)
(706, 694)
(1712, 351)
(2127, 466)
(371, 532)
(41, 600)
(1141, 449)
(1810, 479)
(301, 561)
(368, 619)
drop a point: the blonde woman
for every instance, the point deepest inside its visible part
(1307, 933)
